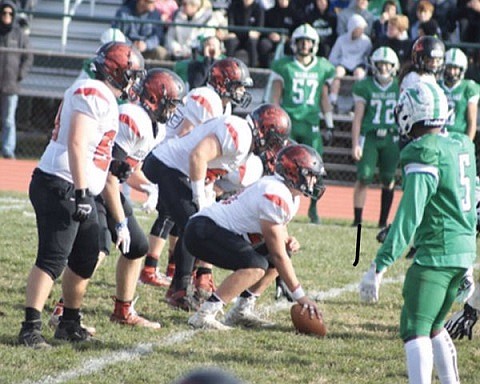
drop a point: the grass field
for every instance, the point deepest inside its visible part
(362, 345)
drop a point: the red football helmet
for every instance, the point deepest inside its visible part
(226, 76)
(271, 127)
(160, 92)
(428, 54)
(120, 64)
(301, 168)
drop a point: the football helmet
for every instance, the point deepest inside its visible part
(160, 92)
(428, 54)
(455, 58)
(270, 126)
(423, 104)
(301, 168)
(384, 55)
(305, 31)
(119, 64)
(227, 76)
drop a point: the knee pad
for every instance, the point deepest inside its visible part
(52, 268)
(139, 242)
(162, 227)
(83, 265)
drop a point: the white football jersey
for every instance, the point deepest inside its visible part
(94, 99)
(135, 133)
(201, 104)
(232, 132)
(413, 78)
(245, 175)
(268, 199)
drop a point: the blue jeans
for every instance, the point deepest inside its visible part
(8, 107)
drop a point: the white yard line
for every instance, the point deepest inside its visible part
(92, 366)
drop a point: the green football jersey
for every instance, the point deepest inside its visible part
(458, 98)
(438, 209)
(302, 86)
(380, 102)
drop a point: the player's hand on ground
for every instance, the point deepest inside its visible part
(310, 307)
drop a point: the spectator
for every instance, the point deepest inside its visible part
(166, 8)
(181, 39)
(379, 29)
(423, 12)
(429, 28)
(281, 16)
(14, 66)
(350, 54)
(146, 37)
(468, 15)
(357, 7)
(324, 21)
(377, 7)
(338, 5)
(397, 38)
(444, 9)
(244, 13)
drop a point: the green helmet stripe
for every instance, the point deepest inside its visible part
(436, 101)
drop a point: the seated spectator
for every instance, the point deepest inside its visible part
(146, 37)
(357, 7)
(397, 38)
(182, 37)
(337, 5)
(324, 21)
(194, 71)
(429, 28)
(350, 54)
(423, 12)
(281, 16)
(166, 8)
(379, 29)
(377, 7)
(444, 9)
(244, 13)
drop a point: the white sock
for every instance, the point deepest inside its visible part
(445, 358)
(419, 360)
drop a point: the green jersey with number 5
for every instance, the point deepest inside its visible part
(438, 206)
(459, 96)
(380, 102)
(302, 86)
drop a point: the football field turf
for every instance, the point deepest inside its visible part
(362, 344)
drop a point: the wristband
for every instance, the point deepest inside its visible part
(198, 188)
(328, 116)
(122, 224)
(298, 293)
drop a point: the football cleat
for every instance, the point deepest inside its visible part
(72, 330)
(181, 300)
(58, 312)
(31, 335)
(151, 276)
(242, 313)
(204, 318)
(126, 314)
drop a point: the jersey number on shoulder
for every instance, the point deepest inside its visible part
(304, 91)
(464, 162)
(389, 108)
(103, 151)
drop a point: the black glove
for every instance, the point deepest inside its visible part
(282, 290)
(328, 137)
(121, 169)
(462, 322)
(83, 205)
(381, 236)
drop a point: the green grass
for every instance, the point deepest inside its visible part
(362, 345)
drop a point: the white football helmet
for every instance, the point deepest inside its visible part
(305, 31)
(455, 57)
(422, 103)
(384, 55)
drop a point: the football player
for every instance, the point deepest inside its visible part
(228, 82)
(462, 94)
(437, 211)
(374, 132)
(186, 168)
(225, 234)
(72, 170)
(300, 86)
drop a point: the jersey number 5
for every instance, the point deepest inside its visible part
(304, 91)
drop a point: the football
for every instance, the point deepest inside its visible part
(304, 324)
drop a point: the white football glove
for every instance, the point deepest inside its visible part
(466, 288)
(150, 204)
(370, 285)
(123, 236)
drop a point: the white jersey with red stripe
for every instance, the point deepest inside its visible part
(268, 199)
(135, 133)
(201, 104)
(94, 99)
(232, 132)
(248, 173)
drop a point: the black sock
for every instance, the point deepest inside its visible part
(151, 261)
(357, 213)
(246, 294)
(203, 271)
(214, 299)
(32, 314)
(71, 314)
(387, 198)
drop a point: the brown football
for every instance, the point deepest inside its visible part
(304, 324)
